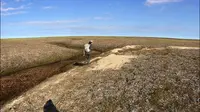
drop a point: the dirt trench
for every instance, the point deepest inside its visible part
(19, 82)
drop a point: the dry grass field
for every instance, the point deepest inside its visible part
(18, 54)
(160, 80)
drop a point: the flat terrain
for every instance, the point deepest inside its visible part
(157, 74)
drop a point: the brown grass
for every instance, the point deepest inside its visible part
(15, 84)
(18, 55)
(106, 43)
(19, 82)
(165, 80)
(158, 80)
(22, 61)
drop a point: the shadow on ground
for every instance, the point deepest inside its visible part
(79, 64)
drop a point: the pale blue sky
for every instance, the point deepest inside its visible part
(155, 18)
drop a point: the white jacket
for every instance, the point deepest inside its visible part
(87, 47)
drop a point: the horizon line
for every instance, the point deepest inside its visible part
(27, 37)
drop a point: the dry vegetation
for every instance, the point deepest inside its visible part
(163, 80)
(19, 54)
(107, 43)
(157, 81)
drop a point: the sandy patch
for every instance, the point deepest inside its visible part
(148, 49)
(124, 48)
(94, 59)
(112, 61)
(182, 47)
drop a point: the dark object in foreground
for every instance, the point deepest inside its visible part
(79, 64)
(50, 107)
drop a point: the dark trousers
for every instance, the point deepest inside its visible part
(87, 55)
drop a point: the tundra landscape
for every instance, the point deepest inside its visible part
(126, 74)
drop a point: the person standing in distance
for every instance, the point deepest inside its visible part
(87, 51)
